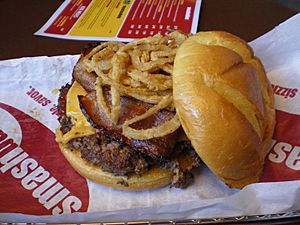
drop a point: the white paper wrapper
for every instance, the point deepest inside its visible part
(21, 79)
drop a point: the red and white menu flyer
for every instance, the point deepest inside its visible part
(38, 185)
(121, 20)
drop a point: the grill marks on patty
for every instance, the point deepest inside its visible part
(120, 159)
(65, 122)
(109, 155)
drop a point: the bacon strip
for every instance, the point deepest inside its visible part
(155, 147)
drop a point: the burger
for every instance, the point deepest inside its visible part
(143, 115)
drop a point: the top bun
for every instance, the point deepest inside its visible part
(225, 105)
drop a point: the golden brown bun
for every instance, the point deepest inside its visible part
(154, 178)
(225, 104)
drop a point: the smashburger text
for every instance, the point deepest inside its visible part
(33, 177)
(286, 153)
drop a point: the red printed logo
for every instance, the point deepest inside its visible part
(283, 162)
(35, 177)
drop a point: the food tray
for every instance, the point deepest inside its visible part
(279, 218)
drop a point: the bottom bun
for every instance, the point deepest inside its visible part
(154, 178)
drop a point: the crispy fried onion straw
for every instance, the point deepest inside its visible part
(141, 69)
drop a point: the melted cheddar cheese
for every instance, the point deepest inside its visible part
(81, 127)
